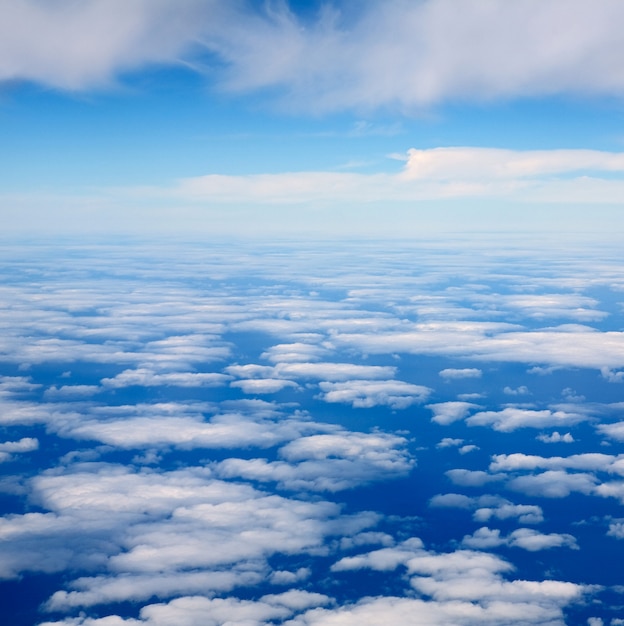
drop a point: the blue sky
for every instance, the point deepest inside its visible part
(311, 313)
(247, 118)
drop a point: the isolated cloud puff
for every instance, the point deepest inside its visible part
(451, 373)
(263, 385)
(334, 371)
(485, 538)
(554, 484)
(512, 418)
(366, 394)
(488, 507)
(448, 412)
(556, 437)
(294, 352)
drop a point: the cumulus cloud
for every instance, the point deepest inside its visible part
(472, 478)
(487, 507)
(451, 373)
(518, 391)
(126, 534)
(294, 352)
(190, 431)
(328, 462)
(263, 385)
(448, 412)
(366, 394)
(589, 461)
(147, 378)
(334, 371)
(145, 533)
(556, 437)
(485, 538)
(571, 346)
(616, 529)
(512, 418)
(472, 582)
(554, 484)
(614, 430)
(9, 448)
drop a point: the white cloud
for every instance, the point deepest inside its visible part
(616, 529)
(366, 394)
(567, 345)
(487, 507)
(8, 448)
(144, 377)
(334, 371)
(80, 46)
(71, 391)
(525, 538)
(352, 60)
(145, 534)
(482, 164)
(472, 478)
(526, 513)
(614, 431)
(518, 391)
(448, 412)
(294, 352)
(512, 418)
(328, 462)
(263, 385)
(15, 387)
(467, 583)
(25, 444)
(556, 437)
(589, 461)
(554, 484)
(228, 430)
(449, 442)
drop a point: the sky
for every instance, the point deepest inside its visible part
(253, 118)
(311, 313)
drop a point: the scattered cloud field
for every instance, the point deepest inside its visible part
(265, 435)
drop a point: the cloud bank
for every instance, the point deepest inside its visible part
(397, 53)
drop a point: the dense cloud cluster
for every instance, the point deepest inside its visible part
(311, 447)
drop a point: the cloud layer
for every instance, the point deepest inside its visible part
(397, 53)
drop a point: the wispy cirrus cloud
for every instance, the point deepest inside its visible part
(334, 60)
